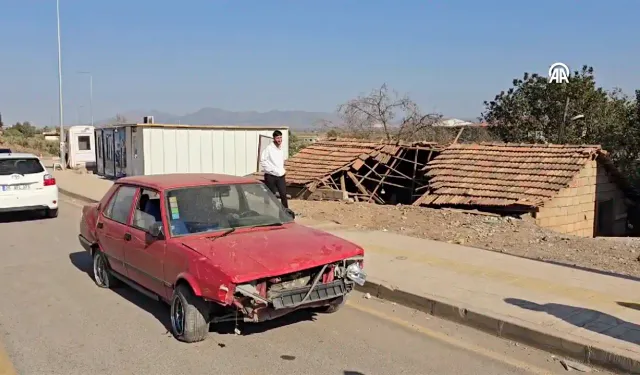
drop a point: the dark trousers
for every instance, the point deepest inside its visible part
(279, 185)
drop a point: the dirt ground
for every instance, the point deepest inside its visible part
(519, 237)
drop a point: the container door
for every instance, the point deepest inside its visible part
(109, 158)
(99, 153)
(121, 152)
(263, 142)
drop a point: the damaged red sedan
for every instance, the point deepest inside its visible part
(215, 248)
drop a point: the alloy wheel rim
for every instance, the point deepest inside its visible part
(99, 270)
(177, 316)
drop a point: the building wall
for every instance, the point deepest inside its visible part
(574, 210)
(607, 190)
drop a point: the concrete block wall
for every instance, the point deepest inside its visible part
(606, 190)
(572, 211)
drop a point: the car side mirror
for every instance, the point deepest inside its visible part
(290, 213)
(155, 231)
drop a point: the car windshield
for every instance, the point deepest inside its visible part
(20, 166)
(222, 207)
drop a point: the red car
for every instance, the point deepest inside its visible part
(216, 248)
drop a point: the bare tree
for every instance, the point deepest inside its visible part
(365, 116)
(120, 119)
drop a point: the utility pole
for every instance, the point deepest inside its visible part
(564, 122)
(60, 109)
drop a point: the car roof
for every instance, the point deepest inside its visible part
(17, 155)
(180, 180)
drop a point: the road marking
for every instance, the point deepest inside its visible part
(6, 367)
(453, 342)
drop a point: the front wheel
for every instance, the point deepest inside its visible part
(189, 315)
(335, 305)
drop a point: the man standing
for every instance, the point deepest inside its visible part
(272, 163)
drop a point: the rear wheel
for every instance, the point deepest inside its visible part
(188, 315)
(101, 275)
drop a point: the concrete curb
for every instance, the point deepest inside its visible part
(584, 352)
(76, 196)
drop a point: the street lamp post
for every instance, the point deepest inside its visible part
(80, 114)
(60, 109)
(90, 93)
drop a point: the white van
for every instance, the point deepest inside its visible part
(25, 185)
(80, 146)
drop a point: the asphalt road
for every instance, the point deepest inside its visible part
(54, 320)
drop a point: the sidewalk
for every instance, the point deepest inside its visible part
(584, 315)
(78, 185)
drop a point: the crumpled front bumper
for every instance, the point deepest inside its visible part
(321, 292)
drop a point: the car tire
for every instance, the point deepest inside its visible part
(101, 272)
(334, 306)
(189, 315)
(51, 213)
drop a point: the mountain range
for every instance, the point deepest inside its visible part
(296, 120)
(299, 120)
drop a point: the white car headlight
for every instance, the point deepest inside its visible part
(356, 274)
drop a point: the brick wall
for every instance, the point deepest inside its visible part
(572, 211)
(607, 190)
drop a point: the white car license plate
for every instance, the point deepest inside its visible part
(15, 187)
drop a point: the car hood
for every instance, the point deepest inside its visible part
(266, 252)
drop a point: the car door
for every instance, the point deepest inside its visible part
(112, 226)
(145, 254)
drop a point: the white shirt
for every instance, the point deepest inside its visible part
(272, 160)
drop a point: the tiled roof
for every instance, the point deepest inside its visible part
(499, 174)
(325, 157)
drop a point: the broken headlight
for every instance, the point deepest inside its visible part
(356, 274)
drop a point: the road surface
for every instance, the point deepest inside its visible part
(54, 320)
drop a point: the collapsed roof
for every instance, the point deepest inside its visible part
(360, 168)
(505, 174)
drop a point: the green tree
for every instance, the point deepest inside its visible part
(577, 112)
(24, 129)
(295, 144)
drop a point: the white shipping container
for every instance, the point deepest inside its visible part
(148, 149)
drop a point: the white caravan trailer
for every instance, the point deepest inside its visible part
(80, 146)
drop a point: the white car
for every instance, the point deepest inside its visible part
(25, 185)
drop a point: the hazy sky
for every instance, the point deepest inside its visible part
(180, 56)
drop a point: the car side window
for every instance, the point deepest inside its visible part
(147, 211)
(120, 205)
(109, 209)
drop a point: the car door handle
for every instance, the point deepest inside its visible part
(100, 225)
(127, 236)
